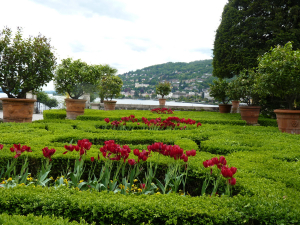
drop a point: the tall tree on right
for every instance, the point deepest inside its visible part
(249, 28)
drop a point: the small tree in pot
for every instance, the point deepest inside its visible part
(246, 91)
(218, 91)
(106, 71)
(110, 87)
(279, 76)
(75, 78)
(25, 66)
(233, 94)
(163, 88)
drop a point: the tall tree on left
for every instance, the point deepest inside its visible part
(25, 64)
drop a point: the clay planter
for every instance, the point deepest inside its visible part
(250, 114)
(288, 120)
(109, 105)
(162, 102)
(235, 106)
(75, 107)
(225, 108)
(17, 110)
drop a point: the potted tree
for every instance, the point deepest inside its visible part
(232, 93)
(163, 88)
(218, 92)
(245, 91)
(110, 88)
(279, 76)
(25, 66)
(75, 78)
(106, 71)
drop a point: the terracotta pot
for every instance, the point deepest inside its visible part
(162, 101)
(109, 105)
(250, 114)
(75, 107)
(235, 106)
(17, 110)
(288, 120)
(225, 108)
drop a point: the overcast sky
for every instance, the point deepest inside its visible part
(126, 34)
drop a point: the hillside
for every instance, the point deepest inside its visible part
(184, 77)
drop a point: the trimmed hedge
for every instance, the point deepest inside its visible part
(107, 208)
(30, 219)
(267, 186)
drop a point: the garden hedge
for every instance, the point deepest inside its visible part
(267, 189)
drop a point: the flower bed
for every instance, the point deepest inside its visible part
(267, 180)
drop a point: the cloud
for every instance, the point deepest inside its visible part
(126, 34)
(89, 8)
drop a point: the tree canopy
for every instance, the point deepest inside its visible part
(249, 28)
(26, 64)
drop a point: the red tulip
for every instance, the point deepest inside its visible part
(142, 186)
(1, 146)
(233, 170)
(136, 152)
(226, 172)
(48, 153)
(92, 159)
(232, 181)
(131, 162)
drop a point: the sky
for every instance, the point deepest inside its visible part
(126, 34)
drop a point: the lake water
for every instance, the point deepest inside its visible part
(127, 101)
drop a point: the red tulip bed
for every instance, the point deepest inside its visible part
(160, 171)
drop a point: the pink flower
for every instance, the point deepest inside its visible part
(199, 124)
(106, 120)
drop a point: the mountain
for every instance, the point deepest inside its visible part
(193, 76)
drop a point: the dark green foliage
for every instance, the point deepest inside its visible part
(249, 29)
(43, 97)
(25, 64)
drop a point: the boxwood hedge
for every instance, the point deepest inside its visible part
(267, 189)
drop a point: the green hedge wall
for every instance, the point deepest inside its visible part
(267, 189)
(30, 219)
(107, 208)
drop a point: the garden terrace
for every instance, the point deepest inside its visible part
(267, 179)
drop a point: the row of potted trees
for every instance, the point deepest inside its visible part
(28, 64)
(277, 76)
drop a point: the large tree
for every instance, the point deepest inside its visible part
(249, 28)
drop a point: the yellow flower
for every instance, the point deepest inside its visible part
(139, 190)
(81, 181)
(29, 175)
(9, 179)
(51, 178)
(135, 180)
(66, 181)
(29, 178)
(21, 184)
(157, 193)
(3, 182)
